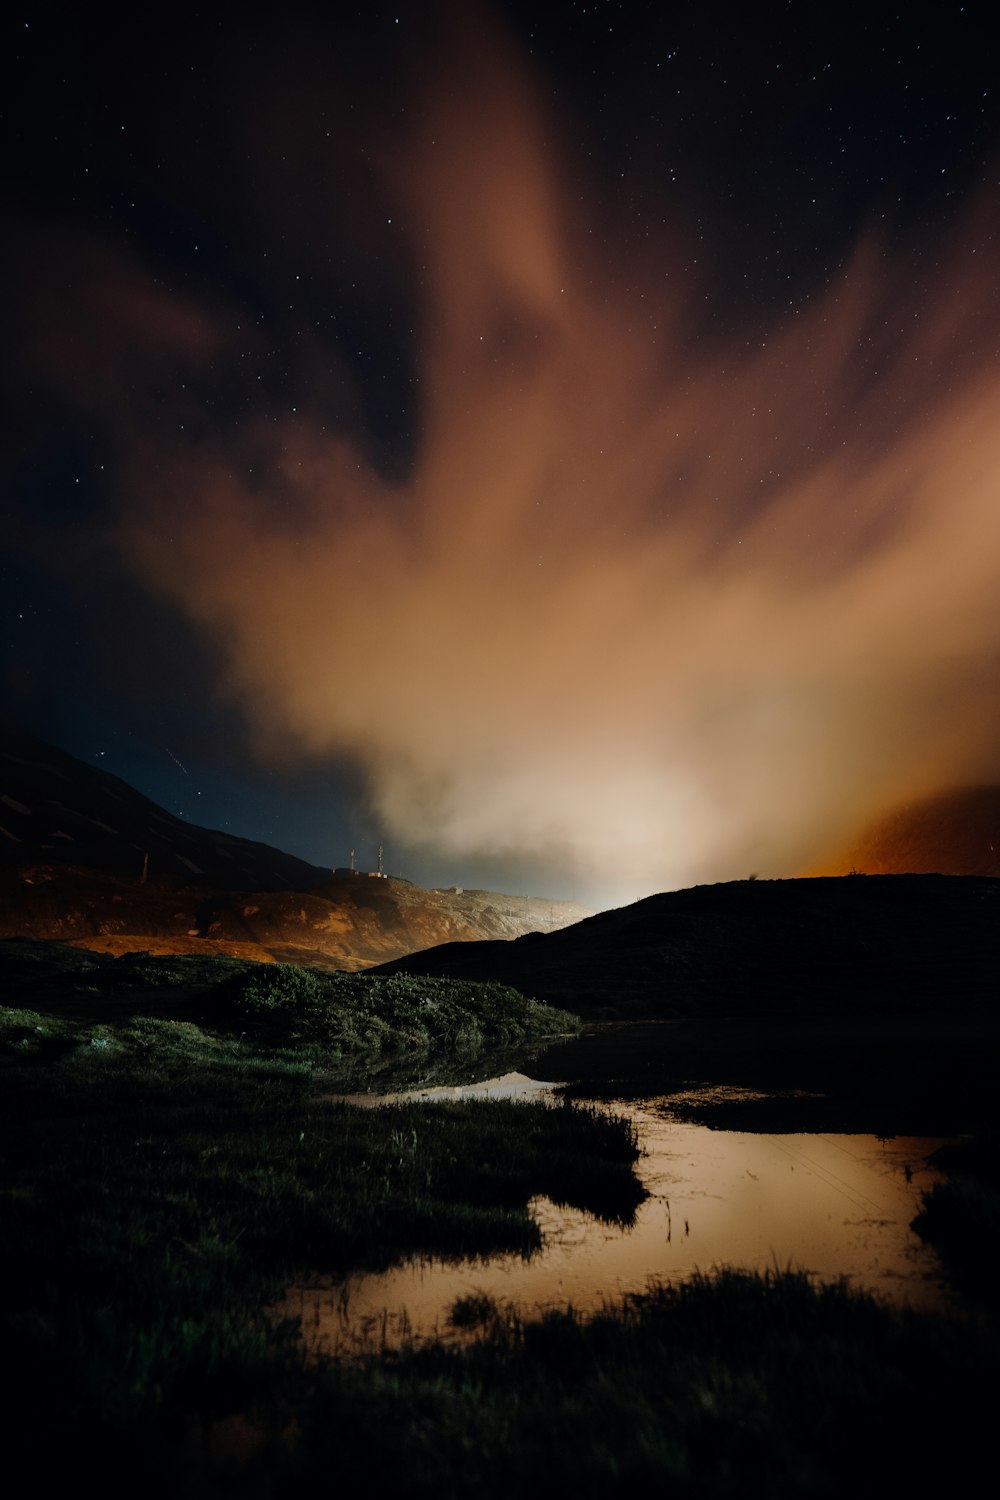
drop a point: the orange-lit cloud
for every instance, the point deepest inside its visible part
(651, 610)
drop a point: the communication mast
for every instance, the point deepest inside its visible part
(378, 867)
(352, 862)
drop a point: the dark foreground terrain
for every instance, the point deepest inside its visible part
(172, 1157)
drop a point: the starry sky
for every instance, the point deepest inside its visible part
(560, 442)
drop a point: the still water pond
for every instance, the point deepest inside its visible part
(832, 1205)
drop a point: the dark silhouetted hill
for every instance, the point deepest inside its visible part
(57, 809)
(872, 944)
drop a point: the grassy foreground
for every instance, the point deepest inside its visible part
(164, 1179)
(737, 1384)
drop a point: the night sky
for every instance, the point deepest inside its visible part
(561, 442)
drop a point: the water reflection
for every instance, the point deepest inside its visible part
(833, 1205)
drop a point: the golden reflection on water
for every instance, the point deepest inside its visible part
(832, 1205)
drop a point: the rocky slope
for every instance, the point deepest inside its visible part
(347, 923)
(74, 842)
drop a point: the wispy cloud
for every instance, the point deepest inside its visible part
(648, 608)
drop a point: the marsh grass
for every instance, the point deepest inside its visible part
(732, 1384)
(342, 1014)
(164, 1181)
